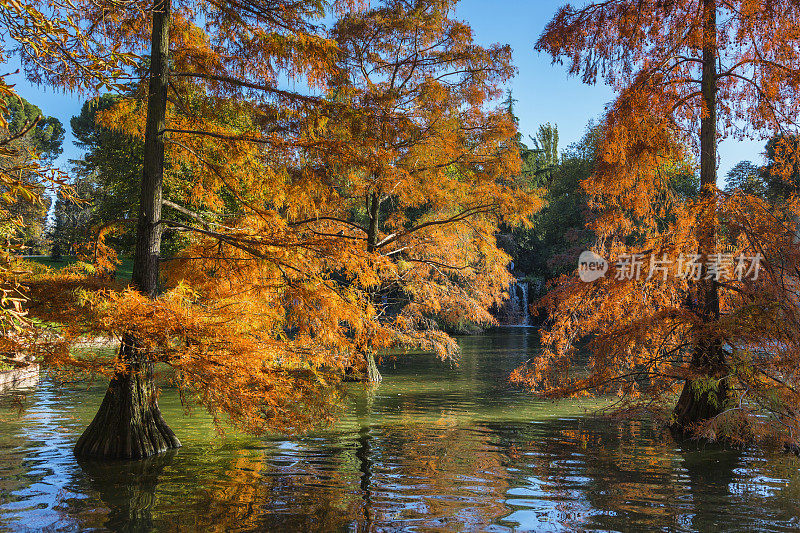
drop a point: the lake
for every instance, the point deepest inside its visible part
(435, 447)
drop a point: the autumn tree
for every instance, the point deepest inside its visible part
(129, 423)
(75, 46)
(688, 73)
(397, 179)
(51, 49)
(305, 210)
(422, 163)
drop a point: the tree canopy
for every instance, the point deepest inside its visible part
(320, 226)
(687, 73)
(305, 186)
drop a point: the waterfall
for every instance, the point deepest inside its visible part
(516, 311)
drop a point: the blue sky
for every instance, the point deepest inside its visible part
(545, 92)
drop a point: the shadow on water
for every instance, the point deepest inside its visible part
(362, 407)
(127, 489)
(435, 447)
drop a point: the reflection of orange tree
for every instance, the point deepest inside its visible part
(618, 472)
(245, 491)
(252, 495)
(447, 473)
(636, 476)
(233, 499)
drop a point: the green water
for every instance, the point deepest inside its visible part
(434, 448)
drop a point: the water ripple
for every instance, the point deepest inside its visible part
(435, 448)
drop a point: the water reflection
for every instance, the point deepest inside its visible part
(434, 448)
(127, 489)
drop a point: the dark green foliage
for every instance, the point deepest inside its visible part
(776, 180)
(685, 184)
(46, 138)
(72, 220)
(747, 178)
(559, 233)
(781, 184)
(41, 143)
(106, 181)
(539, 162)
(111, 168)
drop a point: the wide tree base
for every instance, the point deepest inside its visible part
(697, 405)
(128, 424)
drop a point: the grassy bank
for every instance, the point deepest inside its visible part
(124, 269)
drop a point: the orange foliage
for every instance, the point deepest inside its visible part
(53, 48)
(291, 277)
(643, 332)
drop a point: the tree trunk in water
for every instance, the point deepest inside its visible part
(706, 397)
(371, 374)
(702, 399)
(129, 424)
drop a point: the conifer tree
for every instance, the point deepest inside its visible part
(688, 73)
(325, 225)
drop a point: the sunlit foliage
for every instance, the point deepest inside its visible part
(687, 73)
(323, 224)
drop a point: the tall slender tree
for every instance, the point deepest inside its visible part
(129, 423)
(425, 159)
(688, 73)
